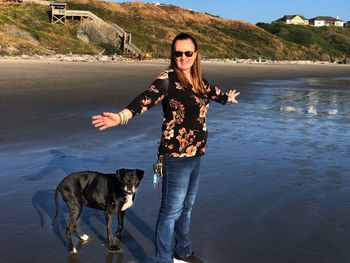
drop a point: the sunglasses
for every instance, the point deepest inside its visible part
(180, 53)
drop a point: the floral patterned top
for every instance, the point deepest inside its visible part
(184, 129)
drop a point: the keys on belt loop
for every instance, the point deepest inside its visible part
(158, 171)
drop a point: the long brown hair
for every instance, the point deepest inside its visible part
(196, 71)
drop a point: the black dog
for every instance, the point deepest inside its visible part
(113, 193)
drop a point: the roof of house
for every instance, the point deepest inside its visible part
(58, 3)
(289, 17)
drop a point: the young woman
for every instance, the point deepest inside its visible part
(185, 99)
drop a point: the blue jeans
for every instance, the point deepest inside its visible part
(179, 189)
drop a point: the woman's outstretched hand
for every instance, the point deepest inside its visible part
(232, 94)
(106, 120)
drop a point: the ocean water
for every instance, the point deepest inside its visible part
(275, 181)
(281, 161)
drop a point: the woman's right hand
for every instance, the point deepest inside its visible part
(106, 120)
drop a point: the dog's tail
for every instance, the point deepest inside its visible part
(57, 207)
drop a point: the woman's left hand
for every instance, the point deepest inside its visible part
(105, 121)
(232, 94)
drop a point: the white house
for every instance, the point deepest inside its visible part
(326, 21)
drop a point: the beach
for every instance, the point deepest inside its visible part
(274, 182)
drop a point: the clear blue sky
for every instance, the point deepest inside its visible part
(254, 11)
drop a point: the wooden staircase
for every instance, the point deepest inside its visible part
(127, 45)
(59, 14)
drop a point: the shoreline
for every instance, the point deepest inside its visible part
(121, 59)
(59, 87)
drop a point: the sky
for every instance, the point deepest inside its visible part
(255, 11)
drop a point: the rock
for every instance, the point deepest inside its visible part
(83, 37)
(98, 33)
(104, 58)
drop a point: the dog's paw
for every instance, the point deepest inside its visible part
(113, 245)
(74, 251)
(84, 237)
(114, 249)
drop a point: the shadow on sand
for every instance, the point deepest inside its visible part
(64, 162)
(43, 202)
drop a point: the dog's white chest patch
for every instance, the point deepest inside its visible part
(128, 202)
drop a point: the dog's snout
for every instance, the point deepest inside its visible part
(130, 183)
(130, 187)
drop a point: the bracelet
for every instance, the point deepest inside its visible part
(126, 119)
(122, 118)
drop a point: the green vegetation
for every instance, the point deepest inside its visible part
(327, 41)
(110, 49)
(52, 38)
(152, 31)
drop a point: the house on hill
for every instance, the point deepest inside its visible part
(293, 19)
(316, 21)
(326, 21)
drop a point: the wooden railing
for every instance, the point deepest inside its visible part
(126, 37)
(83, 14)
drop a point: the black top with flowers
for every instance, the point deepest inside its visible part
(184, 129)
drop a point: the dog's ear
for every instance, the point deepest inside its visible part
(120, 174)
(139, 174)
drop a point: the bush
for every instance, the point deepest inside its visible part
(110, 49)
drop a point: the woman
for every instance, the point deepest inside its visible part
(185, 99)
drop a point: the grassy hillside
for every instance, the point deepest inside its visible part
(43, 37)
(25, 29)
(332, 41)
(153, 28)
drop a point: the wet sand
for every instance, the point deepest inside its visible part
(262, 198)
